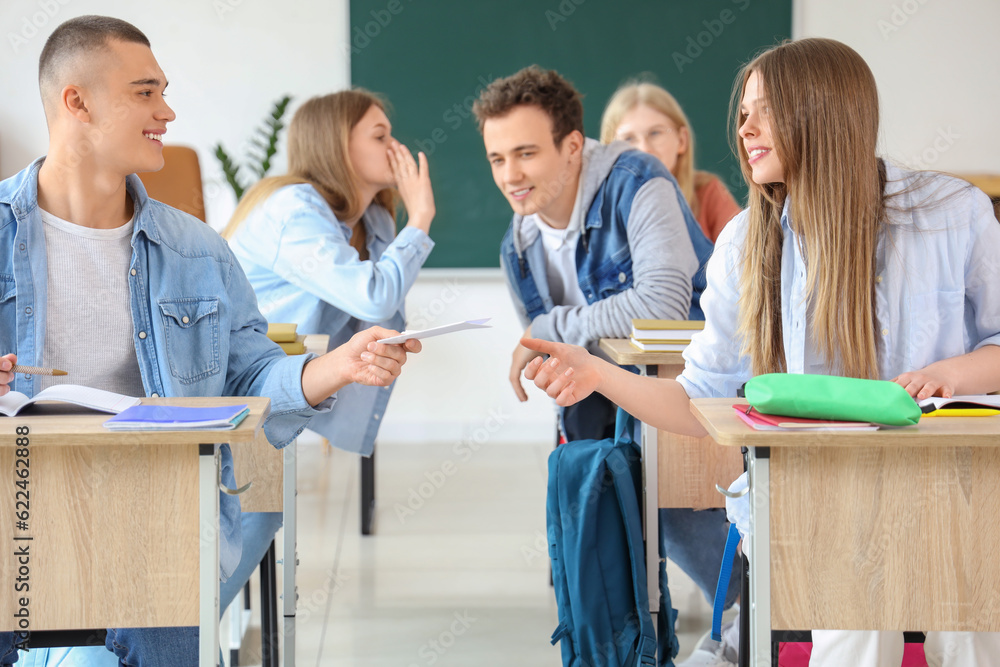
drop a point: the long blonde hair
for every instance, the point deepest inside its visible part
(824, 125)
(318, 138)
(635, 93)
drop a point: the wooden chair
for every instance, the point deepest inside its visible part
(179, 182)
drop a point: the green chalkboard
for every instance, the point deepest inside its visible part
(430, 58)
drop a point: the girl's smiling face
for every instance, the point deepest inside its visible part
(755, 130)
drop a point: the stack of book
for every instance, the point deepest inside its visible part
(663, 335)
(284, 335)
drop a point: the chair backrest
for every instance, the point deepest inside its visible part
(179, 182)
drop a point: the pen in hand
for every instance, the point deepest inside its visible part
(35, 370)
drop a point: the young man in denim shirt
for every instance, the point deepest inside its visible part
(131, 295)
(601, 234)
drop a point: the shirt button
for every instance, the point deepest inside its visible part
(132, 272)
(154, 395)
(21, 247)
(878, 279)
(142, 334)
(376, 416)
(622, 277)
(185, 319)
(885, 332)
(27, 311)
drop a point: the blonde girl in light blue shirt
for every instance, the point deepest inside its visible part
(319, 245)
(841, 265)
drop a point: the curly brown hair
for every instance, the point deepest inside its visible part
(545, 89)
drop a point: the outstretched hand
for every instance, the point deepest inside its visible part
(569, 375)
(362, 359)
(373, 363)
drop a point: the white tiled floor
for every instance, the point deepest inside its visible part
(457, 571)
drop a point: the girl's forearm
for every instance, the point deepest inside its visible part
(658, 402)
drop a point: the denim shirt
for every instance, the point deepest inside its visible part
(937, 288)
(298, 258)
(197, 328)
(606, 249)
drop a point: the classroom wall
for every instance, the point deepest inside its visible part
(936, 67)
(935, 63)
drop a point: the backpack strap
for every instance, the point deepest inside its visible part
(725, 572)
(627, 502)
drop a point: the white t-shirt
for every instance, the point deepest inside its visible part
(88, 328)
(560, 256)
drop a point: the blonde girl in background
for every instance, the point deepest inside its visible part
(650, 119)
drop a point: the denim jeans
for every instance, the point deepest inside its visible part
(155, 647)
(695, 541)
(134, 647)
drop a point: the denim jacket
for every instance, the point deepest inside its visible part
(197, 328)
(298, 258)
(641, 253)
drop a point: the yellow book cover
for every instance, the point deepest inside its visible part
(298, 346)
(668, 324)
(666, 330)
(281, 332)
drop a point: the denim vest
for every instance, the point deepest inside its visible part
(603, 258)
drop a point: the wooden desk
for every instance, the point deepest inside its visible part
(683, 470)
(887, 530)
(123, 527)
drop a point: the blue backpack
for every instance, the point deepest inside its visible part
(598, 561)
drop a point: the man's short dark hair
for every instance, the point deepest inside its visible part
(78, 36)
(535, 86)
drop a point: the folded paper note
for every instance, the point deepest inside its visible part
(438, 331)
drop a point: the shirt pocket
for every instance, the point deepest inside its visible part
(936, 327)
(191, 328)
(8, 311)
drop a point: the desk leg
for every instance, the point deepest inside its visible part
(367, 493)
(650, 504)
(760, 556)
(289, 556)
(208, 560)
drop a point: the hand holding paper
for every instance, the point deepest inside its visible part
(438, 331)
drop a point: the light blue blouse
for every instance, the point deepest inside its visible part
(937, 288)
(298, 258)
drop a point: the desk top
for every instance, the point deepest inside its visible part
(726, 428)
(622, 353)
(68, 424)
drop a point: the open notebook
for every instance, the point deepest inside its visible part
(13, 402)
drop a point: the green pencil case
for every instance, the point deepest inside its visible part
(832, 397)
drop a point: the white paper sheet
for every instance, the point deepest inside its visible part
(438, 331)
